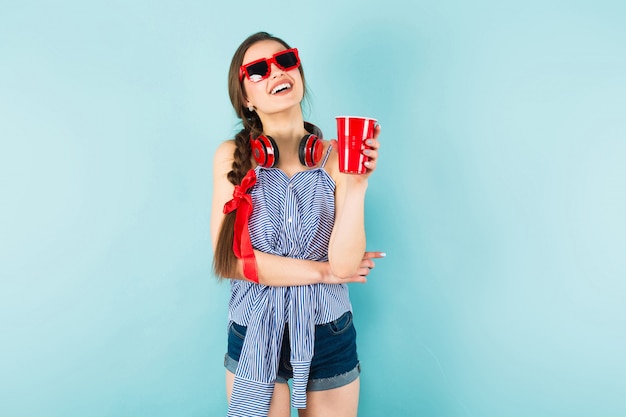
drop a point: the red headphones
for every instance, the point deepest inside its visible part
(265, 151)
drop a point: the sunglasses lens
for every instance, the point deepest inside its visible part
(287, 60)
(256, 72)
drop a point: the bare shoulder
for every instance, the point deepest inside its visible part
(225, 152)
(223, 161)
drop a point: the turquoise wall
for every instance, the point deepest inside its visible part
(500, 200)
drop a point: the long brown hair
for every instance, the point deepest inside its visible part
(224, 260)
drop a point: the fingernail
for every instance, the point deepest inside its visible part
(383, 254)
(369, 142)
(367, 152)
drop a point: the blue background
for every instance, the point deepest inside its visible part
(500, 200)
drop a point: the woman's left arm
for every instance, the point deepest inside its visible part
(347, 241)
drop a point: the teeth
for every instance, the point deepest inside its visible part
(280, 87)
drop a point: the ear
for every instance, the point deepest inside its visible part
(244, 100)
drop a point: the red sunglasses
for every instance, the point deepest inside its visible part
(260, 69)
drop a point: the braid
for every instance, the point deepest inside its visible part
(241, 160)
(243, 152)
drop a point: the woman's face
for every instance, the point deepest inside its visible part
(280, 91)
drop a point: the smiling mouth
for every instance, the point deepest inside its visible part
(280, 88)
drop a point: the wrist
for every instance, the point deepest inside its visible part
(325, 273)
(356, 183)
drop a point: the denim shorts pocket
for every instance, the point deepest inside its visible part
(236, 335)
(238, 330)
(341, 325)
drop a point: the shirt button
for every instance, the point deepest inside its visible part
(289, 220)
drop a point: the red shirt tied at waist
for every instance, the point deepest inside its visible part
(242, 246)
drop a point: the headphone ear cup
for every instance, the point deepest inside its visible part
(264, 151)
(310, 151)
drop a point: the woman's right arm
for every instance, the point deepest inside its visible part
(273, 270)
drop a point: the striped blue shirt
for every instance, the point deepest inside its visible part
(292, 217)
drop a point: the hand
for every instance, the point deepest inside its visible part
(365, 267)
(371, 151)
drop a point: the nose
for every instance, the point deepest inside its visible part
(275, 71)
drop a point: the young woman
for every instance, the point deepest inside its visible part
(288, 230)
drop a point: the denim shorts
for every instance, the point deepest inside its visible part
(335, 362)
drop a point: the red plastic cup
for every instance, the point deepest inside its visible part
(352, 132)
